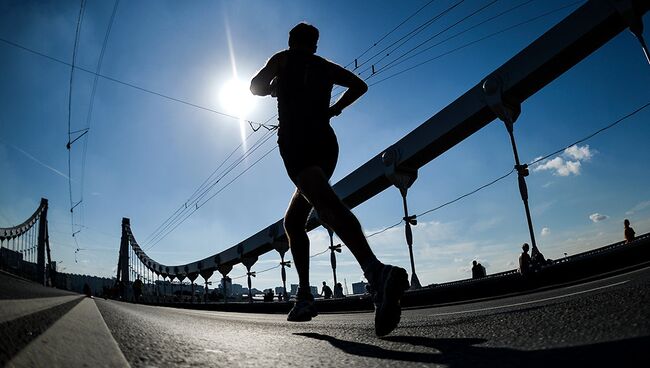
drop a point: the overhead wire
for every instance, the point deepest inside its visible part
(92, 96)
(401, 41)
(461, 20)
(392, 63)
(187, 206)
(131, 85)
(389, 33)
(198, 205)
(74, 56)
(475, 41)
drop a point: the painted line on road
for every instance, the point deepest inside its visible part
(78, 339)
(530, 302)
(16, 308)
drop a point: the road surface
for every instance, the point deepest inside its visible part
(603, 323)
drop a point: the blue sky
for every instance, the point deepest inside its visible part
(145, 155)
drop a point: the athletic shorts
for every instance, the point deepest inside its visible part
(315, 149)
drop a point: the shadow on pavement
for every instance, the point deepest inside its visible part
(463, 352)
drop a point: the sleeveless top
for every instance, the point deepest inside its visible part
(304, 89)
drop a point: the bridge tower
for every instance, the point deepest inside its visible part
(43, 243)
(123, 260)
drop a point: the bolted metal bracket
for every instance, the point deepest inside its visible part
(506, 110)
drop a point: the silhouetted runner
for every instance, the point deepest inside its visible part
(628, 232)
(302, 83)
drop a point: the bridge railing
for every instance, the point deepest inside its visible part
(23, 247)
(498, 95)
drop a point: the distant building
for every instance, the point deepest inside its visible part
(314, 290)
(294, 289)
(235, 289)
(279, 290)
(359, 287)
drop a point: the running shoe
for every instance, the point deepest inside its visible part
(388, 287)
(303, 310)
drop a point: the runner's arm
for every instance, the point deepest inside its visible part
(356, 88)
(261, 82)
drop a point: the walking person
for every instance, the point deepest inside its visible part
(628, 232)
(326, 291)
(524, 260)
(302, 83)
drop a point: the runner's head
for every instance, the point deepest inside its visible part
(303, 36)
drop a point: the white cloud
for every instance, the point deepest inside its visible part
(639, 207)
(597, 217)
(560, 166)
(569, 164)
(546, 231)
(579, 153)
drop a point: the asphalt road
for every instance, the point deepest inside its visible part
(604, 323)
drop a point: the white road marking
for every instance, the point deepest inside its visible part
(529, 302)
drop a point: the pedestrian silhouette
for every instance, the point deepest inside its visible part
(338, 290)
(137, 289)
(302, 83)
(524, 260)
(628, 232)
(326, 292)
(478, 270)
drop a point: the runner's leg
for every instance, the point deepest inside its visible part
(295, 219)
(314, 186)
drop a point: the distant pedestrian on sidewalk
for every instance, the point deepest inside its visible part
(478, 270)
(302, 83)
(338, 290)
(628, 232)
(326, 291)
(524, 260)
(137, 289)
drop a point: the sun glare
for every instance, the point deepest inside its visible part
(236, 99)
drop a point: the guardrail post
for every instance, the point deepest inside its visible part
(403, 178)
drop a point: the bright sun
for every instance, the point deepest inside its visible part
(236, 99)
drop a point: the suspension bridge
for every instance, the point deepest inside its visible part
(590, 308)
